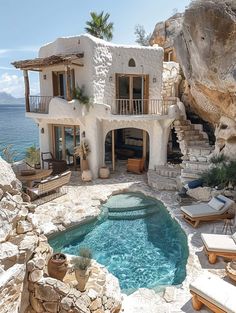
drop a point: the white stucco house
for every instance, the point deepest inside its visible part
(127, 117)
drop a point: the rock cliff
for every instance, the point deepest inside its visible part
(206, 50)
(204, 41)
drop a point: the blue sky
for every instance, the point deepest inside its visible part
(25, 25)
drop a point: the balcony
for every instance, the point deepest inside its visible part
(39, 104)
(141, 106)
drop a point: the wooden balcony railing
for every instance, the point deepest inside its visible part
(141, 106)
(39, 104)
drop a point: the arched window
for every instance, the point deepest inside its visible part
(132, 63)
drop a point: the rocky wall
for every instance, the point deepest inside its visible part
(24, 253)
(102, 294)
(18, 240)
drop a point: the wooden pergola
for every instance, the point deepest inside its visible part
(38, 64)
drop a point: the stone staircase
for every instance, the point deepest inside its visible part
(194, 146)
(164, 177)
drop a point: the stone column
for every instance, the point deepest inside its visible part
(158, 145)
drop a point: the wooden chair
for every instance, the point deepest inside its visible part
(58, 166)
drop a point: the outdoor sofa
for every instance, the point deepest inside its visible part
(50, 184)
(219, 245)
(216, 209)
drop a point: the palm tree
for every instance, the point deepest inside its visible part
(99, 27)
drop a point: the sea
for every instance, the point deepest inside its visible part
(17, 130)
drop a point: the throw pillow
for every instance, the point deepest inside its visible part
(216, 204)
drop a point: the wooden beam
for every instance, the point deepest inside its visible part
(144, 144)
(68, 92)
(113, 149)
(77, 64)
(27, 91)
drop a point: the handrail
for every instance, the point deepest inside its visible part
(142, 106)
(39, 104)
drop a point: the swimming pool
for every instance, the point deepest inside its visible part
(136, 239)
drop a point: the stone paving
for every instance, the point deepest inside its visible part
(82, 201)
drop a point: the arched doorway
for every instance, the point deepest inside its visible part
(173, 149)
(125, 143)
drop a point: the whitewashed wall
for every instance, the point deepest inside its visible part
(103, 60)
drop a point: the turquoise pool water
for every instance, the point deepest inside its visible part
(136, 239)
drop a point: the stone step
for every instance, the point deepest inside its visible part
(190, 174)
(185, 127)
(167, 171)
(199, 158)
(159, 182)
(198, 127)
(200, 150)
(202, 142)
(190, 132)
(181, 122)
(190, 137)
(195, 165)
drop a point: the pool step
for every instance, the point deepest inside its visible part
(131, 215)
(131, 209)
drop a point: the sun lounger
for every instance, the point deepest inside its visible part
(211, 211)
(210, 290)
(219, 245)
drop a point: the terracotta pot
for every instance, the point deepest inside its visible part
(104, 172)
(82, 277)
(85, 165)
(86, 175)
(57, 266)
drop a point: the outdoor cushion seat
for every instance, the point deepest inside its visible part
(216, 209)
(214, 292)
(219, 245)
(198, 210)
(49, 184)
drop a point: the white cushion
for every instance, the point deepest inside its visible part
(219, 243)
(234, 237)
(216, 204)
(215, 290)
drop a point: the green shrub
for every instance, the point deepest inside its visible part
(83, 261)
(218, 159)
(222, 174)
(9, 154)
(32, 155)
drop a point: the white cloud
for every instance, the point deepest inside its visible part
(3, 52)
(14, 85)
(8, 68)
(7, 52)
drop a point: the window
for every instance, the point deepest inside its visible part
(132, 63)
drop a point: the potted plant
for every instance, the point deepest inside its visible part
(33, 156)
(57, 266)
(79, 94)
(81, 266)
(82, 150)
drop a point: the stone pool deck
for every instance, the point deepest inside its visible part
(82, 201)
